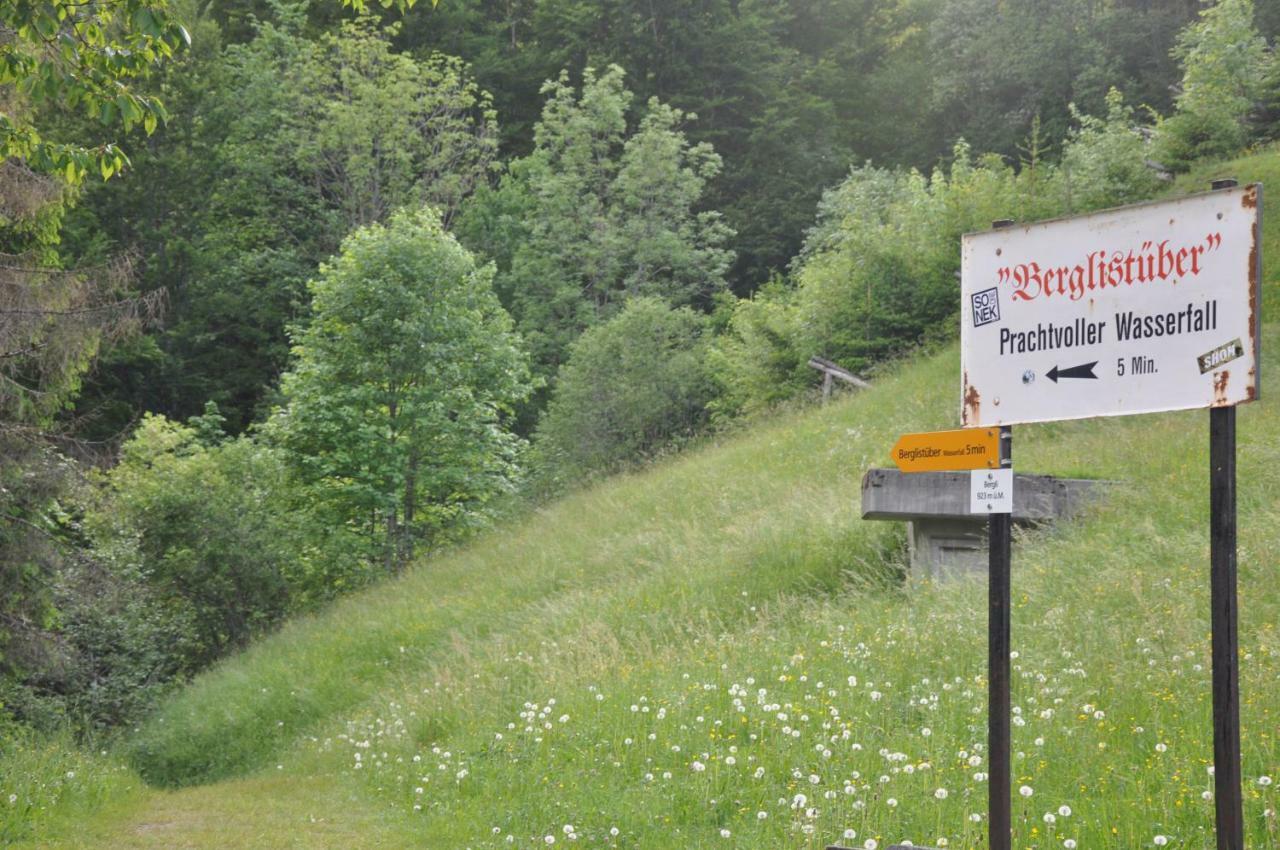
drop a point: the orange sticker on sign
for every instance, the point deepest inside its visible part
(940, 451)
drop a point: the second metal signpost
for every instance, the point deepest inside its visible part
(1148, 308)
(999, 701)
(1169, 279)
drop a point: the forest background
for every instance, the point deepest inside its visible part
(293, 293)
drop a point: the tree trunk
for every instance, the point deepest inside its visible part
(410, 507)
(389, 547)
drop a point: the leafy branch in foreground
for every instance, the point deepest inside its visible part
(80, 54)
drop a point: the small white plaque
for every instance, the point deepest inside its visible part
(991, 491)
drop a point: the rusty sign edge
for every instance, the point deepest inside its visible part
(1137, 205)
(1250, 198)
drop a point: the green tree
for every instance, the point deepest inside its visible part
(610, 215)
(785, 92)
(279, 147)
(405, 377)
(999, 65)
(147, 217)
(56, 56)
(1225, 67)
(60, 59)
(381, 130)
(1105, 160)
(632, 387)
(53, 321)
(310, 140)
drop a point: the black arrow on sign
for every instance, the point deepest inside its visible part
(1085, 371)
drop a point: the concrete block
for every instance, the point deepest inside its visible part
(947, 548)
(943, 538)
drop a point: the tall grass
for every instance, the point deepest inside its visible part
(717, 652)
(46, 780)
(663, 603)
(769, 512)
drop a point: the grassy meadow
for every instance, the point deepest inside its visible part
(718, 652)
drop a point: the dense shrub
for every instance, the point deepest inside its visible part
(633, 386)
(1105, 160)
(185, 550)
(123, 644)
(879, 271)
(81, 638)
(205, 526)
(756, 360)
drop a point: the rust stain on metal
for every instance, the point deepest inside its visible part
(1220, 388)
(972, 401)
(1251, 199)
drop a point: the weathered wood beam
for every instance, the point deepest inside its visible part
(835, 370)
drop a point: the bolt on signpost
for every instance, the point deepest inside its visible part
(1106, 315)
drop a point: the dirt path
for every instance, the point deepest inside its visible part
(267, 811)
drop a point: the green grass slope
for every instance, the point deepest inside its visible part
(713, 653)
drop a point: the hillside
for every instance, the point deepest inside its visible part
(716, 652)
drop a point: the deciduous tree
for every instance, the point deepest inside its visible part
(405, 376)
(611, 215)
(306, 141)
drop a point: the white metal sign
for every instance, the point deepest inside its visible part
(991, 491)
(1134, 310)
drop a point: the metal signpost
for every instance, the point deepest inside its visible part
(1146, 308)
(999, 698)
